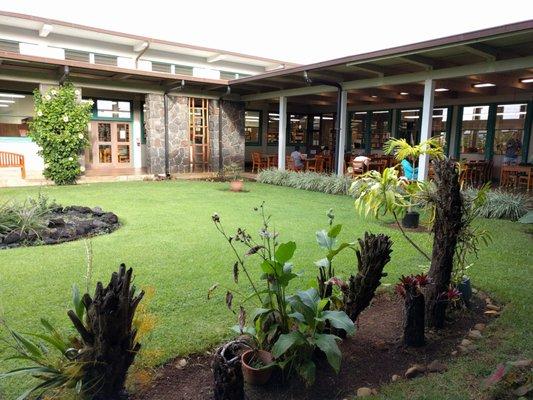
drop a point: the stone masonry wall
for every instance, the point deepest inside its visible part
(178, 124)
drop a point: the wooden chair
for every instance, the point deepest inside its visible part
(316, 165)
(258, 162)
(13, 160)
(289, 163)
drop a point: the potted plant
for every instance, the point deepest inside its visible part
(407, 155)
(233, 171)
(257, 366)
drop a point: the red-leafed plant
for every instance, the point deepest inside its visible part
(409, 288)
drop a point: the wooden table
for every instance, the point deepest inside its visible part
(508, 170)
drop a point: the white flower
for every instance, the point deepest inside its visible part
(47, 97)
(53, 92)
(81, 136)
(45, 165)
(90, 102)
(39, 113)
(77, 91)
(71, 159)
(82, 168)
(65, 118)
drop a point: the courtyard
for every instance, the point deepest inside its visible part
(168, 237)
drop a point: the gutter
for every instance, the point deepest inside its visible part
(309, 82)
(179, 86)
(140, 54)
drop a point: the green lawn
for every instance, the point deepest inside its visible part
(169, 239)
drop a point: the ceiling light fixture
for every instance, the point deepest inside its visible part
(7, 101)
(442, 89)
(404, 93)
(4, 105)
(526, 80)
(374, 96)
(12, 95)
(483, 85)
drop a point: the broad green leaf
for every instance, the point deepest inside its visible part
(298, 316)
(339, 320)
(333, 253)
(284, 252)
(307, 370)
(334, 231)
(259, 311)
(267, 267)
(328, 344)
(285, 342)
(324, 240)
(309, 297)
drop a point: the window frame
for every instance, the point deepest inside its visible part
(259, 141)
(20, 139)
(95, 117)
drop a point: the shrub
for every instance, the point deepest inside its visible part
(313, 181)
(27, 216)
(59, 128)
(501, 204)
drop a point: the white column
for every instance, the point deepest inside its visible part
(342, 133)
(426, 125)
(282, 133)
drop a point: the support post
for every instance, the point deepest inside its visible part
(282, 134)
(426, 126)
(341, 130)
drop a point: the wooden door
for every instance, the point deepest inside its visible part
(110, 145)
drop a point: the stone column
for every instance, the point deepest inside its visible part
(233, 141)
(154, 122)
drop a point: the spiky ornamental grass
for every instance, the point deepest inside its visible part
(501, 204)
(313, 181)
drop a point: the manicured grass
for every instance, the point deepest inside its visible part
(169, 239)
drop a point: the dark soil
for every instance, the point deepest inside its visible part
(370, 358)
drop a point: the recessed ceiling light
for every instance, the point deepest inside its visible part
(374, 96)
(7, 101)
(12, 95)
(526, 80)
(442, 89)
(483, 84)
(404, 93)
(4, 105)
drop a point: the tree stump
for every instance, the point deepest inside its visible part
(227, 371)
(108, 336)
(414, 324)
(446, 228)
(372, 257)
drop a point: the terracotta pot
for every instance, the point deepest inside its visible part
(236, 186)
(256, 376)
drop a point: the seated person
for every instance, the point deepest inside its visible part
(408, 170)
(297, 159)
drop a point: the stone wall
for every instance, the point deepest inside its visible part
(178, 124)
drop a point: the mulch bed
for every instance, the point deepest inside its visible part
(370, 358)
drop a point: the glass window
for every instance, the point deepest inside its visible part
(297, 128)
(273, 128)
(327, 131)
(315, 132)
(252, 127)
(379, 129)
(440, 125)
(113, 109)
(474, 129)
(408, 125)
(509, 130)
(16, 111)
(357, 129)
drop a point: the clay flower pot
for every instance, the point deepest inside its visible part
(256, 376)
(236, 186)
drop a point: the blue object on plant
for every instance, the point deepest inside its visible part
(408, 170)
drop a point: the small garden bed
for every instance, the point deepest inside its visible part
(38, 222)
(371, 358)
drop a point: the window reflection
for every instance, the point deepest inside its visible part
(474, 129)
(252, 126)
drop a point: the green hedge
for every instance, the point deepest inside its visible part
(325, 183)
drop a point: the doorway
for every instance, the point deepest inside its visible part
(110, 145)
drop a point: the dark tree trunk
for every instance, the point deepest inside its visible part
(414, 325)
(108, 337)
(371, 259)
(227, 371)
(446, 228)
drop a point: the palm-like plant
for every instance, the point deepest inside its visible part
(385, 193)
(401, 149)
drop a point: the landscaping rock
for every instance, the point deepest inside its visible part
(395, 378)
(474, 334)
(182, 363)
(466, 342)
(414, 371)
(479, 327)
(521, 363)
(454, 353)
(364, 392)
(436, 366)
(463, 349)
(492, 313)
(63, 225)
(493, 307)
